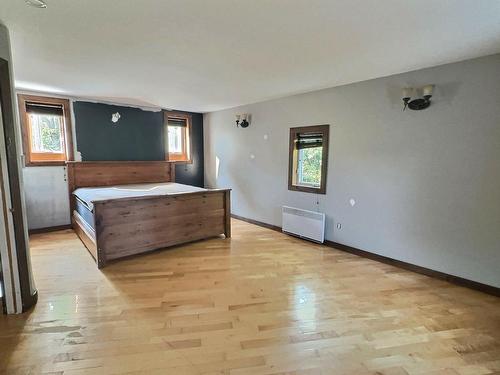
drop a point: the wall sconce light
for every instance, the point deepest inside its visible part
(115, 117)
(418, 103)
(36, 3)
(243, 120)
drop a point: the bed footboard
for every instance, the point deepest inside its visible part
(130, 226)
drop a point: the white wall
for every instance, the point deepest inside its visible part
(427, 184)
(47, 201)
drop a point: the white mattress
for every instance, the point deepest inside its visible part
(93, 194)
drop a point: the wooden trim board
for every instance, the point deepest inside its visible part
(86, 234)
(49, 229)
(227, 213)
(457, 280)
(256, 222)
(108, 173)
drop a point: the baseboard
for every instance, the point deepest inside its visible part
(259, 223)
(457, 280)
(49, 229)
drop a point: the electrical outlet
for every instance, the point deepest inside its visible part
(339, 226)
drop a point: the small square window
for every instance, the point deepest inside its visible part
(308, 159)
(46, 130)
(178, 137)
(309, 166)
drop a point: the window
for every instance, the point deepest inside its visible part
(46, 129)
(178, 137)
(308, 159)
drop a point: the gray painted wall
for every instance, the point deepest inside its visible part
(427, 184)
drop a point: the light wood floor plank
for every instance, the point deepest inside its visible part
(259, 303)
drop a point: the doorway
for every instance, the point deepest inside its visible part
(21, 294)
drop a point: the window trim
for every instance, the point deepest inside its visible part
(25, 130)
(189, 143)
(325, 131)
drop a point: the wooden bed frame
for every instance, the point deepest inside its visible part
(129, 226)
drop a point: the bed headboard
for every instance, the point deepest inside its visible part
(108, 173)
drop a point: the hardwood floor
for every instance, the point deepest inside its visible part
(259, 303)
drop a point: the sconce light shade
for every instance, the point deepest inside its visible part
(407, 92)
(427, 90)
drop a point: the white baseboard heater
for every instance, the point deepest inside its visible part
(305, 224)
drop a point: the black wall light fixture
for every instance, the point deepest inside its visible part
(420, 101)
(243, 120)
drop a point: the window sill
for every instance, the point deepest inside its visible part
(45, 164)
(306, 189)
(306, 185)
(180, 161)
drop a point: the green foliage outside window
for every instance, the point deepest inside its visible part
(51, 137)
(46, 133)
(310, 165)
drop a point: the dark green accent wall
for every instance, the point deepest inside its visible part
(138, 135)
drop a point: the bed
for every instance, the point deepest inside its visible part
(121, 209)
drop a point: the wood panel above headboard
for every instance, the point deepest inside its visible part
(109, 173)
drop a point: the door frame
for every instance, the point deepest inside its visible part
(12, 200)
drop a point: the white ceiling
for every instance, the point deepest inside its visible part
(205, 55)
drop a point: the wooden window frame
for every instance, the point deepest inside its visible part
(187, 156)
(25, 131)
(325, 131)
